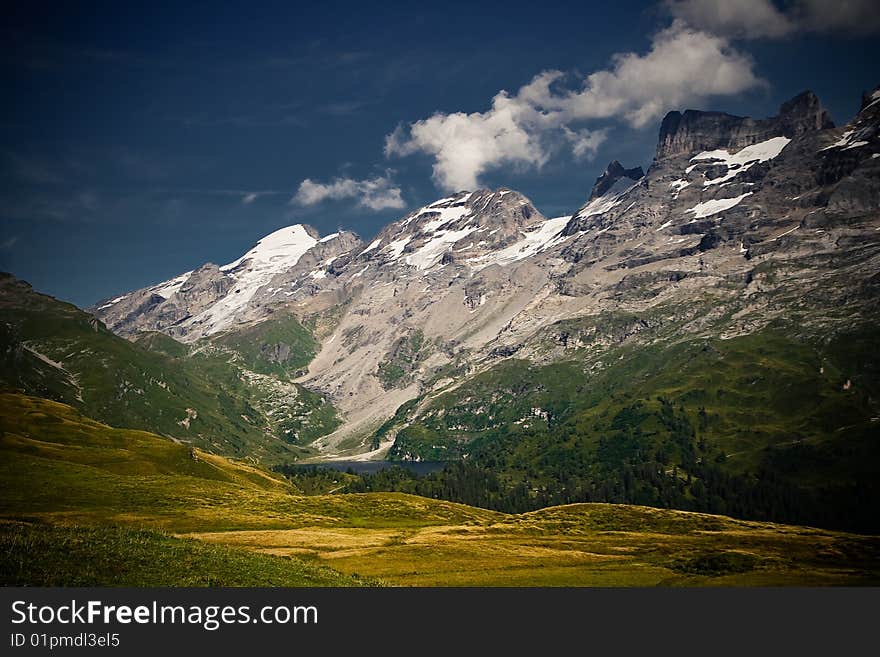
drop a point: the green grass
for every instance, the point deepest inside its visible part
(42, 430)
(758, 390)
(162, 344)
(59, 466)
(308, 417)
(87, 504)
(282, 347)
(496, 399)
(404, 357)
(153, 384)
(43, 555)
(768, 408)
(582, 545)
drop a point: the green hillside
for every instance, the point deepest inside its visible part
(54, 350)
(161, 344)
(282, 346)
(761, 426)
(58, 465)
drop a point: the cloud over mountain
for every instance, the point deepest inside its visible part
(755, 19)
(684, 65)
(377, 193)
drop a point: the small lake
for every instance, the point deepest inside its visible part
(372, 467)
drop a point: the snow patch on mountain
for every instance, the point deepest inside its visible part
(707, 208)
(677, 185)
(395, 248)
(610, 199)
(282, 248)
(875, 98)
(168, 288)
(446, 216)
(430, 253)
(274, 253)
(359, 273)
(546, 235)
(840, 143)
(113, 302)
(743, 160)
(373, 245)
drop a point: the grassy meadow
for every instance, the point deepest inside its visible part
(83, 503)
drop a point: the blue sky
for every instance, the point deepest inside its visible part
(139, 141)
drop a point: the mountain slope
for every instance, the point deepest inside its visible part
(759, 426)
(739, 227)
(54, 350)
(212, 299)
(717, 346)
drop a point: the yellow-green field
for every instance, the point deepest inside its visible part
(112, 495)
(580, 545)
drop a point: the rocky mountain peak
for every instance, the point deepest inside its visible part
(502, 207)
(459, 228)
(207, 279)
(870, 99)
(328, 254)
(309, 230)
(212, 298)
(486, 207)
(693, 131)
(803, 113)
(614, 172)
(8, 281)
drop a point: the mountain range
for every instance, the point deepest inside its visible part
(702, 334)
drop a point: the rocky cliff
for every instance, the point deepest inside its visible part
(694, 131)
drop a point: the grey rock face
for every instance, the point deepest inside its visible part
(803, 113)
(463, 227)
(203, 287)
(728, 199)
(694, 131)
(613, 173)
(276, 353)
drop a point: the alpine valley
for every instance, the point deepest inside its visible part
(635, 393)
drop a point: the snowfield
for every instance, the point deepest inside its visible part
(707, 208)
(274, 253)
(743, 160)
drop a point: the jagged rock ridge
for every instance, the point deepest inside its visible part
(694, 131)
(614, 173)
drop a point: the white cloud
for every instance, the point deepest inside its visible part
(585, 143)
(755, 19)
(249, 198)
(464, 145)
(854, 17)
(375, 193)
(684, 66)
(735, 18)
